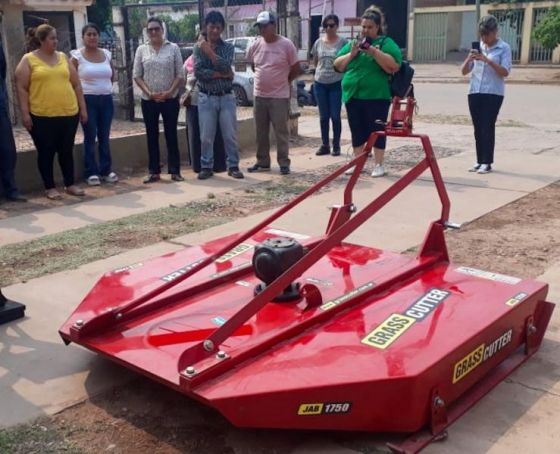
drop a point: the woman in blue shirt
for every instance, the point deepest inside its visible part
(488, 68)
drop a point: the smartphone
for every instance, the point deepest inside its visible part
(476, 46)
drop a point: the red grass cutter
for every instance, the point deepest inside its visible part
(278, 330)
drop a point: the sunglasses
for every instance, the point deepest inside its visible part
(331, 25)
(154, 29)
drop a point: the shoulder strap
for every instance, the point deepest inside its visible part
(382, 42)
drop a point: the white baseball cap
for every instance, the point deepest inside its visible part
(265, 18)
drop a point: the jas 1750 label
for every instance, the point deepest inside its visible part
(324, 408)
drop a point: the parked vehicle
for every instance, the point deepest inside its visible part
(241, 44)
(243, 84)
(305, 97)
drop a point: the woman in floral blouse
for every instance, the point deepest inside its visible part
(158, 72)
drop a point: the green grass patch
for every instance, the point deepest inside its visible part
(35, 438)
(70, 249)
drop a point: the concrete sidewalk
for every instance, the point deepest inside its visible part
(511, 142)
(39, 375)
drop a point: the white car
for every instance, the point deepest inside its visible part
(244, 78)
(240, 45)
(243, 84)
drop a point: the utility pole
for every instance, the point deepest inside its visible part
(292, 32)
(201, 13)
(226, 18)
(477, 13)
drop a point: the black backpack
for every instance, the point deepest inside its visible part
(400, 82)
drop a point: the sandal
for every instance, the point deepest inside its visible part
(75, 190)
(53, 194)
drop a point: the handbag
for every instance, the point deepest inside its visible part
(400, 82)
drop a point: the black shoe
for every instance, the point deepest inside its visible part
(16, 197)
(235, 173)
(335, 151)
(204, 174)
(258, 168)
(284, 170)
(152, 178)
(325, 149)
(177, 177)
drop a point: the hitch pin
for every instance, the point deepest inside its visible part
(452, 225)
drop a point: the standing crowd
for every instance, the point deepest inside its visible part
(56, 93)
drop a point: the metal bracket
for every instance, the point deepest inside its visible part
(531, 338)
(438, 421)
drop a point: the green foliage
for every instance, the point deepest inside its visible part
(137, 21)
(181, 30)
(548, 31)
(100, 13)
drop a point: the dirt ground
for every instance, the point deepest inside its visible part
(519, 239)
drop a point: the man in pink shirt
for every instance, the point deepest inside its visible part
(274, 60)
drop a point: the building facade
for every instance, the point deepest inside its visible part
(67, 16)
(444, 30)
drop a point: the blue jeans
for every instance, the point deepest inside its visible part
(100, 116)
(329, 100)
(211, 111)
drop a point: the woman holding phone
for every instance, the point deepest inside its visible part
(367, 64)
(489, 63)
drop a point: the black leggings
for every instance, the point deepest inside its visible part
(169, 110)
(366, 116)
(55, 135)
(484, 113)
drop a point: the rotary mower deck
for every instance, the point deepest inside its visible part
(278, 330)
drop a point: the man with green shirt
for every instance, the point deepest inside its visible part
(367, 65)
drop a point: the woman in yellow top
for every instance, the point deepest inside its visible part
(51, 103)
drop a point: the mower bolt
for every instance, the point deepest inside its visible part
(531, 329)
(79, 323)
(439, 402)
(190, 371)
(118, 316)
(352, 208)
(221, 355)
(208, 345)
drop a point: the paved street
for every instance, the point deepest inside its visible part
(537, 105)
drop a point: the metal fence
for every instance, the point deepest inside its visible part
(510, 24)
(538, 53)
(430, 37)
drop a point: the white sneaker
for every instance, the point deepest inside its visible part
(378, 171)
(484, 168)
(93, 180)
(474, 168)
(111, 178)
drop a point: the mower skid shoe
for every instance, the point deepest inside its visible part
(535, 333)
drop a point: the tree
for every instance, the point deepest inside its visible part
(181, 30)
(100, 13)
(547, 31)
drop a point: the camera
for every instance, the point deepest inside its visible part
(366, 43)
